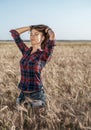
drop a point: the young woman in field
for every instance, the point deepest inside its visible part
(33, 60)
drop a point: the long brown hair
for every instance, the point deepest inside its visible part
(41, 28)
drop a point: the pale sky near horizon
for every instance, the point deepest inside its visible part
(70, 19)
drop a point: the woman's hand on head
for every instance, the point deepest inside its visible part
(51, 33)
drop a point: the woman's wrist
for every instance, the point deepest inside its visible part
(29, 28)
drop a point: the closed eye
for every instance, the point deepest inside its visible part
(35, 34)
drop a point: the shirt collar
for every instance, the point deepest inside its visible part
(39, 49)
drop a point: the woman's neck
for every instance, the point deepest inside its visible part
(35, 47)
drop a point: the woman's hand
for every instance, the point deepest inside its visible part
(51, 33)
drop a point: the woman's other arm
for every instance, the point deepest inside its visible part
(46, 56)
(16, 36)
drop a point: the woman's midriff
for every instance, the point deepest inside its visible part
(32, 91)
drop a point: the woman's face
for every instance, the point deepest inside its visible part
(36, 37)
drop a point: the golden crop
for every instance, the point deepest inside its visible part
(67, 81)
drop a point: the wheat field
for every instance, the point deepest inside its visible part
(67, 82)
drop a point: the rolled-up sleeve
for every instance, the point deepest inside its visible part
(47, 52)
(19, 42)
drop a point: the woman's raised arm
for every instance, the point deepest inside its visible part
(23, 29)
(46, 56)
(16, 36)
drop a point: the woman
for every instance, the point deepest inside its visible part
(33, 60)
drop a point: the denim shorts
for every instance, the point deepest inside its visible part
(40, 98)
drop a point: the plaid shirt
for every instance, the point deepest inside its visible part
(32, 64)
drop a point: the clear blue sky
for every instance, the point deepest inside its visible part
(70, 19)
